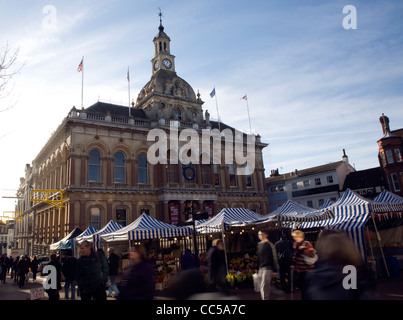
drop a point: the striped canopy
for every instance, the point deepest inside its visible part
(294, 212)
(110, 227)
(87, 232)
(290, 206)
(327, 203)
(394, 201)
(228, 217)
(351, 212)
(146, 227)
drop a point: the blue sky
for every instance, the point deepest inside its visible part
(313, 87)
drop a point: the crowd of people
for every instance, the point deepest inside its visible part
(18, 268)
(316, 270)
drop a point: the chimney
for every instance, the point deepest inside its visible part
(344, 157)
(274, 173)
(384, 120)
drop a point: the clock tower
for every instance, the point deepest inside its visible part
(167, 96)
(163, 60)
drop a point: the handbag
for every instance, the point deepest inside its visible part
(309, 260)
(257, 280)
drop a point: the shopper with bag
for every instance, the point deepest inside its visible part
(304, 259)
(268, 265)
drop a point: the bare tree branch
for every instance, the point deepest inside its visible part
(8, 70)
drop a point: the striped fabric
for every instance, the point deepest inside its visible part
(294, 212)
(146, 227)
(394, 202)
(110, 227)
(87, 232)
(351, 212)
(328, 203)
(290, 206)
(230, 217)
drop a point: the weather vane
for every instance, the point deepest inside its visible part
(160, 14)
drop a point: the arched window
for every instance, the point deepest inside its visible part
(119, 168)
(96, 218)
(179, 114)
(233, 182)
(248, 175)
(142, 169)
(171, 169)
(94, 172)
(121, 217)
(216, 174)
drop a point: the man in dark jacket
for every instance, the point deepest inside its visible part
(267, 259)
(113, 264)
(189, 260)
(70, 272)
(92, 273)
(54, 293)
(23, 269)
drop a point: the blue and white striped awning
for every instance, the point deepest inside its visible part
(228, 217)
(87, 232)
(394, 202)
(351, 212)
(294, 212)
(146, 227)
(290, 206)
(110, 227)
(327, 203)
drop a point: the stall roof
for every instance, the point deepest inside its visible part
(146, 227)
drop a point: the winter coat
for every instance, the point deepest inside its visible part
(58, 267)
(325, 282)
(113, 264)
(217, 266)
(92, 272)
(137, 282)
(70, 269)
(23, 266)
(189, 261)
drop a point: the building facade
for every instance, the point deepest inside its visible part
(99, 159)
(311, 187)
(390, 156)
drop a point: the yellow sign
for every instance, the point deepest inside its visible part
(51, 196)
(6, 218)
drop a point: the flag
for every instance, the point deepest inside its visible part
(80, 66)
(244, 97)
(212, 94)
(128, 76)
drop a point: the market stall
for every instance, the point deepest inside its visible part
(147, 228)
(95, 237)
(67, 241)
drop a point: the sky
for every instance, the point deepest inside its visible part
(314, 87)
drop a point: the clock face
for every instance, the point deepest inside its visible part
(156, 65)
(167, 63)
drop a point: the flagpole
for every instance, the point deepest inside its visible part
(247, 106)
(128, 81)
(216, 104)
(82, 85)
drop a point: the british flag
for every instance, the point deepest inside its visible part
(80, 66)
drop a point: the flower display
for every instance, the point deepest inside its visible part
(241, 271)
